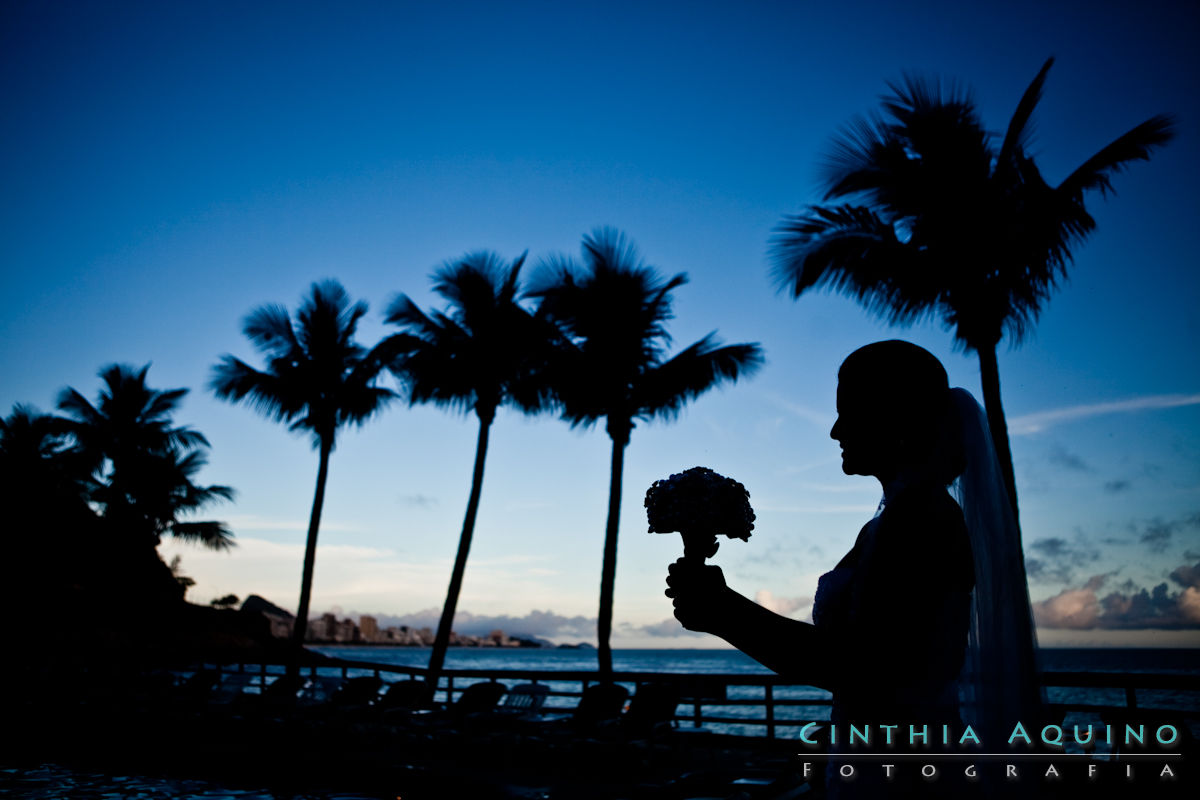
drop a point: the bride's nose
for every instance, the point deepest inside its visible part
(836, 431)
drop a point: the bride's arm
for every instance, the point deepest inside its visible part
(789, 647)
(794, 649)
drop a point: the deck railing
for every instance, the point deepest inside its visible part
(740, 702)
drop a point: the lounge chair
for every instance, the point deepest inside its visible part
(406, 695)
(229, 692)
(651, 711)
(524, 699)
(600, 704)
(475, 702)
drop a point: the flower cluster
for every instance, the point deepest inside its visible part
(699, 501)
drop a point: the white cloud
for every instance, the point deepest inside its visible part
(781, 605)
(1041, 420)
(1189, 604)
(1073, 608)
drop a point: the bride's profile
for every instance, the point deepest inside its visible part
(925, 621)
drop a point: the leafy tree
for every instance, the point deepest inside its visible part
(612, 312)
(485, 351)
(142, 465)
(933, 220)
(44, 490)
(317, 379)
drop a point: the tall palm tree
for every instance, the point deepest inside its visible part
(483, 352)
(142, 465)
(317, 379)
(934, 221)
(612, 310)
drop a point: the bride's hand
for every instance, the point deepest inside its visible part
(698, 595)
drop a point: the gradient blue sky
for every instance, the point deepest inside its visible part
(169, 166)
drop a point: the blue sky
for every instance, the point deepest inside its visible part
(168, 167)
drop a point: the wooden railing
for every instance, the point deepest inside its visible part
(700, 693)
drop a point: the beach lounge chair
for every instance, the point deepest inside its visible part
(652, 710)
(524, 699)
(478, 698)
(599, 703)
(357, 692)
(280, 694)
(193, 692)
(226, 694)
(406, 696)
(475, 702)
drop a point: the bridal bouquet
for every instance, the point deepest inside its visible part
(700, 504)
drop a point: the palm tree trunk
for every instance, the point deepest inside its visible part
(989, 374)
(442, 641)
(608, 572)
(310, 556)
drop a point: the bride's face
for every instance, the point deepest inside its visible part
(869, 442)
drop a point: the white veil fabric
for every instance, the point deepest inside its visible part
(999, 684)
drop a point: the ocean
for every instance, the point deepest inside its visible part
(1119, 662)
(49, 781)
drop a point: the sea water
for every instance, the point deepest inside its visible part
(50, 781)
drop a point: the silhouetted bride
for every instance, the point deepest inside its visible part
(926, 620)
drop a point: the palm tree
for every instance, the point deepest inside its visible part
(37, 463)
(934, 221)
(485, 351)
(142, 466)
(44, 491)
(317, 379)
(612, 311)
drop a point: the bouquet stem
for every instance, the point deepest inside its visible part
(699, 545)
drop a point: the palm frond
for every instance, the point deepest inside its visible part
(361, 402)
(851, 249)
(185, 438)
(235, 380)
(663, 390)
(213, 535)
(863, 157)
(77, 406)
(1135, 145)
(1020, 129)
(404, 312)
(269, 328)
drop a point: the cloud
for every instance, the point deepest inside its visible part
(1158, 534)
(1084, 609)
(419, 500)
(1061, 457)
(546, 624)
(1058, 559)
(1072, 608)
(781, 605)
(1041, 420)
(1187, 576)
(1114, 487)
(1189, 604)
(668, 628)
